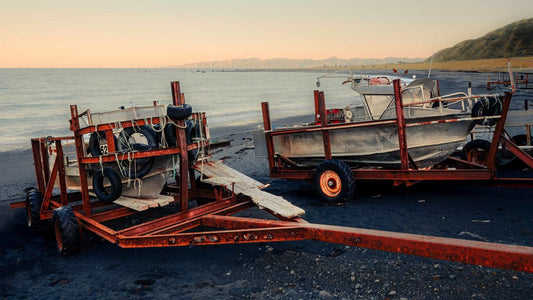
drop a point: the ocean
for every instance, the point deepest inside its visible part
(35, 102)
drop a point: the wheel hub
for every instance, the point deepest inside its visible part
(330, 183)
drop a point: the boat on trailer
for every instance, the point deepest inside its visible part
(367, 136)
(126, 176)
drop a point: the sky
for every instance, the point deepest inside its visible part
(157, 33)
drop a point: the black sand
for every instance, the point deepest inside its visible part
(30, 267)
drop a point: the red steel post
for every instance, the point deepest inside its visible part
(44, 159)
(317, 108)
(181, 140)
(37, 162)
(400, 123)
(61, 169)
(323, 124)
(491, 159)
(268, 138)
(78, 140)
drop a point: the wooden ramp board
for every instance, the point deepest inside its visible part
(222, 175)
(139, 204)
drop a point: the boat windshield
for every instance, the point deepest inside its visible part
(419, 90)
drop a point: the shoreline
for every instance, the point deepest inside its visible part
(286, 270)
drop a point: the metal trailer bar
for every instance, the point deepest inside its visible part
(213, 224)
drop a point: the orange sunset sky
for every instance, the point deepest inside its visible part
(168, 33)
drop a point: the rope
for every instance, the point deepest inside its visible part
(137, 185)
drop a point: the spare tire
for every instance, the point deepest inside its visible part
(477, 151)
(107, 194)
(140, 166)
(179, 112)
(485, 108)
(126, 145)
(96, 147)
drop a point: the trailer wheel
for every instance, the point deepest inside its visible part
(111, 193)
(334, 181)
(477, 151)
(34, 200)
(66, 230)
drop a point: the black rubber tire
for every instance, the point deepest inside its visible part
(476, 151)
(170, 135)
(328, 175)
(482, 108)
(139, 167)
(34, 200)
(124, 144)
(520, 139)
(100, 190)
(94, 147)
(179, 112)
(67, 231)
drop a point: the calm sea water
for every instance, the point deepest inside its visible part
(35, 102)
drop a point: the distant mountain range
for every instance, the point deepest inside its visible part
(287, 63)
(513, 40)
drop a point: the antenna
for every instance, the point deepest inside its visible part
(430, 65)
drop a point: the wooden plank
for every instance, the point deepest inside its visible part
(222, 175)
(139, 204)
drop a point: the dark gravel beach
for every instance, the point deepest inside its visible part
(31, 268)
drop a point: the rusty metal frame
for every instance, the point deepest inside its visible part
(407, 174)
(214, 225)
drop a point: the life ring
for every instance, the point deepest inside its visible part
(179, 112)
(111, 193)
(96, 148)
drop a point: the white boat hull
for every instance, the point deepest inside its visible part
(378, 145)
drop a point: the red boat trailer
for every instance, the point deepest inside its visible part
(462, 170)
(213, 223)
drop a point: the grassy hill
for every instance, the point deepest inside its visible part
(513, 40)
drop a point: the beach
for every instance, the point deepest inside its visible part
(32, 269)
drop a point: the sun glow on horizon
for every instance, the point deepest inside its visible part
(170, 33)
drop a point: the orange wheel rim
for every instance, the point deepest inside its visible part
(59, 240)
(330, 183)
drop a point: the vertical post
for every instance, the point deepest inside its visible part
(78, 140)
(498, 132)
(317, 108)
(61, 169)
(38, 164)
(324, 123)
(177, 99)
(268, 138)
(46, 164)
(110, 138)
(400, 124)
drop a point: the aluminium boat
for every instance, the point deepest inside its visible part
(435, 126)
